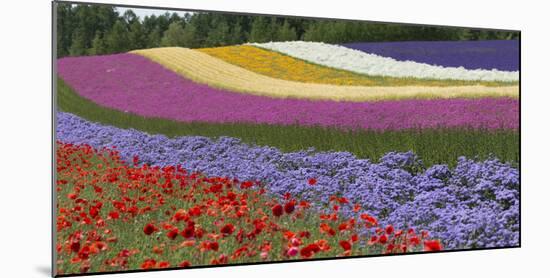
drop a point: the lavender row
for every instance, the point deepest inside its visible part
(475, 204)
(132, 83)
(491, 54)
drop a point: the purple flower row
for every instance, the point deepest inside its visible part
(491, 54)
(475, 204)
(132, 83)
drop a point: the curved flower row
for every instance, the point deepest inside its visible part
(206, 69)
(132, 83)
(475, 204)
(114, 216)
(485, 54)
(277, 65)
(358, 61)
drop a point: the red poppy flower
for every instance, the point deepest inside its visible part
(343, 226)
(373, 240)
(94, 211)
(188, 232)
(345, 245)
(75, 246)
(277, 210)
(383, 239)
(343, 200)
(148, 264)
(84, 253)
(114, 215)
(227, 229)
(312, 181)
(414, 240)
(180, 215)
(149, 229)
(185, 264)
(213, 246)
(309, 250)
(432, 245)
(289, 207)
(371, 221)
(172, 234)
(305, 234)
(389, 229)
(164, 264)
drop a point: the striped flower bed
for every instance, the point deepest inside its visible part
(450, 203)
(277, 65)
(132, 83)
(358, 61)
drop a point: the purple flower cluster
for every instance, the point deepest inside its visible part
(474, 205)
(491, 54)
(132, 83)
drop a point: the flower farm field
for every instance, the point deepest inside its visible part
(205, 69)
(361, 62)
(178, 157)
(115, 80)
(395, 187)
(113, 216)
(282, 66)
(434, 146)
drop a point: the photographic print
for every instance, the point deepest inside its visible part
(188, 138)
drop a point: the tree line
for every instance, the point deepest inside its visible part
(100, 29)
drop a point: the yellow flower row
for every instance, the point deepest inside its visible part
(203, 68)
(281, 66)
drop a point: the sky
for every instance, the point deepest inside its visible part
(141, 13)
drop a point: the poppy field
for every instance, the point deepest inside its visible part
(175, 157)
(116, 216)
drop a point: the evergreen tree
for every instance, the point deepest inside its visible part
(153, 39)
(174, 36)
(64, 29)
(190, 36)
(137, 36)
(313, 33)
(236, 36)
(98, 45)
(78, 44)
(259, 31)
(286, 33)
(117, 40)
(219, 35)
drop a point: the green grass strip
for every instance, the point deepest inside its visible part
(434, 146)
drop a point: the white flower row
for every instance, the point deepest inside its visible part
(341, 57)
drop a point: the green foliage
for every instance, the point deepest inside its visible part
(154, 38)
(260, 30)
(434, 146)
(78, 43)
(98, 45)
(137, 36)
(117, 39)
(219, 35)
(174, 36)
(286, 33)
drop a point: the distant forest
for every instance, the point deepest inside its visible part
(100, 29)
